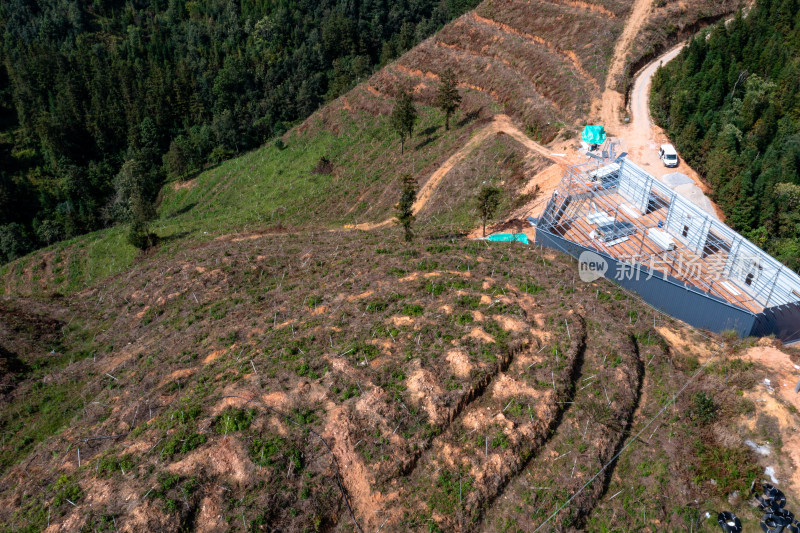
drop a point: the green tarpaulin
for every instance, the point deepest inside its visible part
(509, 237)
(594, 134)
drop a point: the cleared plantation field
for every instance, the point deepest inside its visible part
(266, 368)
(439, 375)
(552, 77)
(609, 8)
(504, 84)
(540, 62)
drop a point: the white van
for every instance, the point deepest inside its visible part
(668, 155)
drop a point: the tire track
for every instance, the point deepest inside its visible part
(600, 422)
(615, 438)
(493, 436)
(377, 416)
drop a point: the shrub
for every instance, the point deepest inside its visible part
(66, 490)
(451, 490)
(376, 307)
(219, 154)
(140, 237)
(731, 468)
(703, 408)
(277, 452)
(324, 167)
(464, 318)
(180, 443)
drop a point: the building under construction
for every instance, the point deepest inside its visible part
(680, 259)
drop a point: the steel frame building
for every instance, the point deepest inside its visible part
(679, 258)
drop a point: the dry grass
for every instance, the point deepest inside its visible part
(589, 34)
(274, 375)
(551, 76)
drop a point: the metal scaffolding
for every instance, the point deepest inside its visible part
(616, 208)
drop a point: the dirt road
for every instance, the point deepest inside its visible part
(612, 101)
(642, 122)
(500, 124)
(641, 138)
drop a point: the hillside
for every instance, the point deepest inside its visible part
(197, 391)
(269, 366)
(669, 23)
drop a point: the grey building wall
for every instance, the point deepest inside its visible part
(782, 321)
(668, 295)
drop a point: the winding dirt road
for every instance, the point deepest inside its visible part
(641, 138)
(500, 124)
(642, 122)
(611, 103)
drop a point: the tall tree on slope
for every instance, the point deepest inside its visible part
(447, 97)
(404, 117)
(405, 207)
(487, 201)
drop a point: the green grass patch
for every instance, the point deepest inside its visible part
(450, 492)
(33, 417)
(731, 468)
(108, 465)
(276, 452)
(413, 310)
(233, 420)
(66, 490)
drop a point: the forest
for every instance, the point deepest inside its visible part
(731, 103)
(102, 102)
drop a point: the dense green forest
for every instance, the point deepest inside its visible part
(102, 101)
(731, 102)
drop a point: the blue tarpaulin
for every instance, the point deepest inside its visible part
(594, 134)
(509, 237)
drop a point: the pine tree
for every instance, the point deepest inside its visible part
(176, 160)
(404, 117)
(488, 200)
(447, 97)
(132, 203)
(405, 207)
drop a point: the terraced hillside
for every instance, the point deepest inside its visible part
(543, 62)
(529, 70)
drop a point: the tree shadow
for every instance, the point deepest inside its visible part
(183, 210)
(426, 142)
(430, 130)
(173, 237)
(11, 363)
(472, 116)
(453, 236)
(205, 167)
